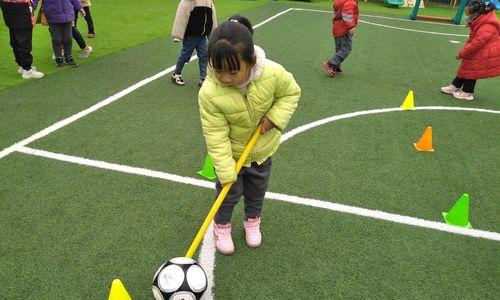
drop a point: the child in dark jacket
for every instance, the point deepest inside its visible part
(481, 54)
(194, 21)
(60, 14)
(18, 16)
(345, 19)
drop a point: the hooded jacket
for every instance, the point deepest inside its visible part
(60, 11)
(481, 54)
(229, 115)
(194, 18)
(346, 16)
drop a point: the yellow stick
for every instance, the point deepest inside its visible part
(222, 195)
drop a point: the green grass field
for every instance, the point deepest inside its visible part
(74, 215)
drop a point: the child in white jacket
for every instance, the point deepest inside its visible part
(194, 21)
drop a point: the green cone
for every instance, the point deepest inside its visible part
(208, 168)
(459, 213)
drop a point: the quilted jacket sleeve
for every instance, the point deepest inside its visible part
(349, 15)
(287, 96)
(483, 35)
(216, 132)
(181, 19)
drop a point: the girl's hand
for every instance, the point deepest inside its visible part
(82, 12)
(266, 125)
(351, 31)
(458, 57)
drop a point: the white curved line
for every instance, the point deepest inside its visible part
(311, 125)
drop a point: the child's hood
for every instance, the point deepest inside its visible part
(259, 64)
(489, 18)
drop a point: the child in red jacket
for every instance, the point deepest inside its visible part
(345, 19)
(481, 54)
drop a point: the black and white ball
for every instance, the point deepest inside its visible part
(180, 278)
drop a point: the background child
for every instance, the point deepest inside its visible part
(345, 19)
(18, 16)
(88, 18)
(481, 54)
(60, 14)
(194, 21)
(243, 89)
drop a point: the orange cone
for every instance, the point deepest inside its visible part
(425, 142)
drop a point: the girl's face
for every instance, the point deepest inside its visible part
(234, 78)
(470, 16)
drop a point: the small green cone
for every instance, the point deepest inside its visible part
(459, 213)
(208, 168)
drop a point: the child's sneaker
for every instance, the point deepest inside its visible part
(223, 239)
(91, 35)
(177, 79)
(463, 95)
(59, 62)
(330, 69)
(71, 62)
(85, 52)
(20, 69)
(449, 89)
(253, 236)
(32, 73)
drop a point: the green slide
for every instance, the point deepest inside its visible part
(394, 3)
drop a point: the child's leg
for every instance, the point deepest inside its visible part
(225, 211)
(469, 85)
(75, 33)
(57, 40)
(88, 18)
(458, 82)
(256, 182)
(67, 40)
(201, 51)
(188, 45)
(343, 46)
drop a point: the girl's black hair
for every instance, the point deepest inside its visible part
(480, 7)
(242, 20)
(227, 43)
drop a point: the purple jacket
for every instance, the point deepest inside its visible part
(60, 11)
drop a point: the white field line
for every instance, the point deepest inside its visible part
(413, 30)
(383, 17)
(311, 125)
(85, 112)
(207, 260)
(375, 214)
(104, 102)
(394, 27)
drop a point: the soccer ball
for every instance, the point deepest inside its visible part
(180, 278)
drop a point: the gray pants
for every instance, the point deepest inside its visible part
(252, 183)
(343, 47)
(61, 35)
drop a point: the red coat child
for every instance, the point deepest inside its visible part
(481, 54)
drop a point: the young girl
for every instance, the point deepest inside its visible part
(481, 54)
(243, 89)
(60, 14)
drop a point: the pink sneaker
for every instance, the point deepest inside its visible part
(329, 69)
(252, 230)
(223, 239)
